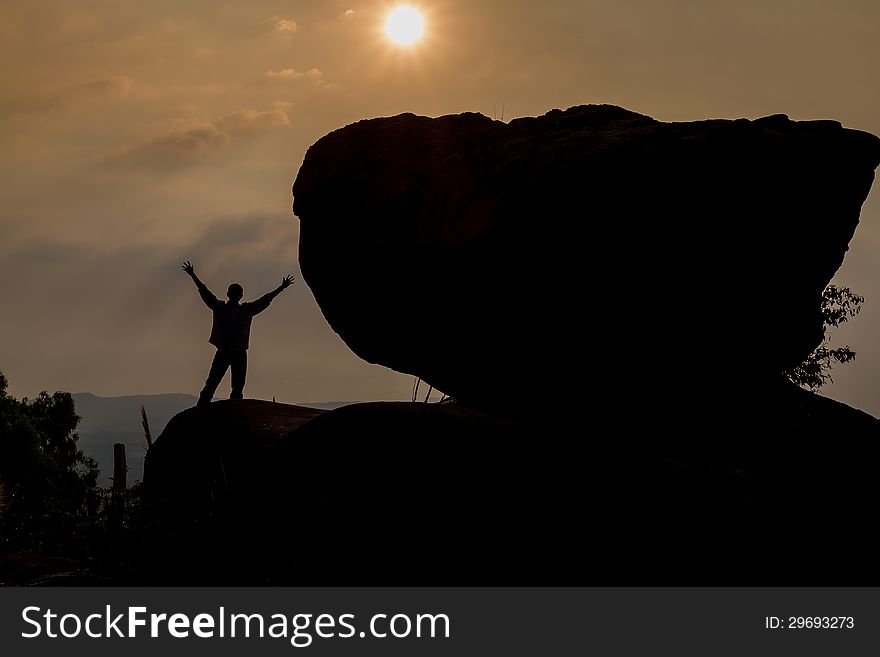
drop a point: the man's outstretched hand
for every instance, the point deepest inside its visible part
(188, 268)
(287, 282)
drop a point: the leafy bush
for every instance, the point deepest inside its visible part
(42, 471)
(839, 304)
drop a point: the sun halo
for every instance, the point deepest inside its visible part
(405, 25)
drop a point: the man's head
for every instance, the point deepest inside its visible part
(235, 292)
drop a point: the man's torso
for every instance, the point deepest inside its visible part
(232, 326)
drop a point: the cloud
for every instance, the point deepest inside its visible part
(118, 86)
(313, 74)
(283, 74)
(186, 147)
(258, 230)
(106, 89)
(176, 149)
(348, 13)
(248, 120)
(283, 105)
(293, 74)
(284, 24)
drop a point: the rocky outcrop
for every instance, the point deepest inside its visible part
(213, 453)
(593, 245)
(396, 493)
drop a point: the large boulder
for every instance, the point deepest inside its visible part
(410, 493)
(499, 261)
(217, 450)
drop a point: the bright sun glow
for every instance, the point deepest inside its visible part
(405, 25)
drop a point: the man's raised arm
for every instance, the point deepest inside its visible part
(263, 302)
(207, 296)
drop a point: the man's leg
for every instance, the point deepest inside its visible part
(238, 359)
(218, 368)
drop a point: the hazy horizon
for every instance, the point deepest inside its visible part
(195, 397)
(137, 135)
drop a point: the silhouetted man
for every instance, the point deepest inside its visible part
(230, 332)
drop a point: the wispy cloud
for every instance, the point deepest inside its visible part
(284, 24)
(313, 74)
(181, 148)
(118, 86)
(248, 120)
(93, 90)
(175, 149)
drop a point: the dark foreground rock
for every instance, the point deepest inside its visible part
(777, 487)
(498, 260)
(215, 451)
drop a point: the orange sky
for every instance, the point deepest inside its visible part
(134, 135)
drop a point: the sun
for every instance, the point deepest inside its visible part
(405, 25)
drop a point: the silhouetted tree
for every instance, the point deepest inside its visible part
(42, 471)
(838, 305)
